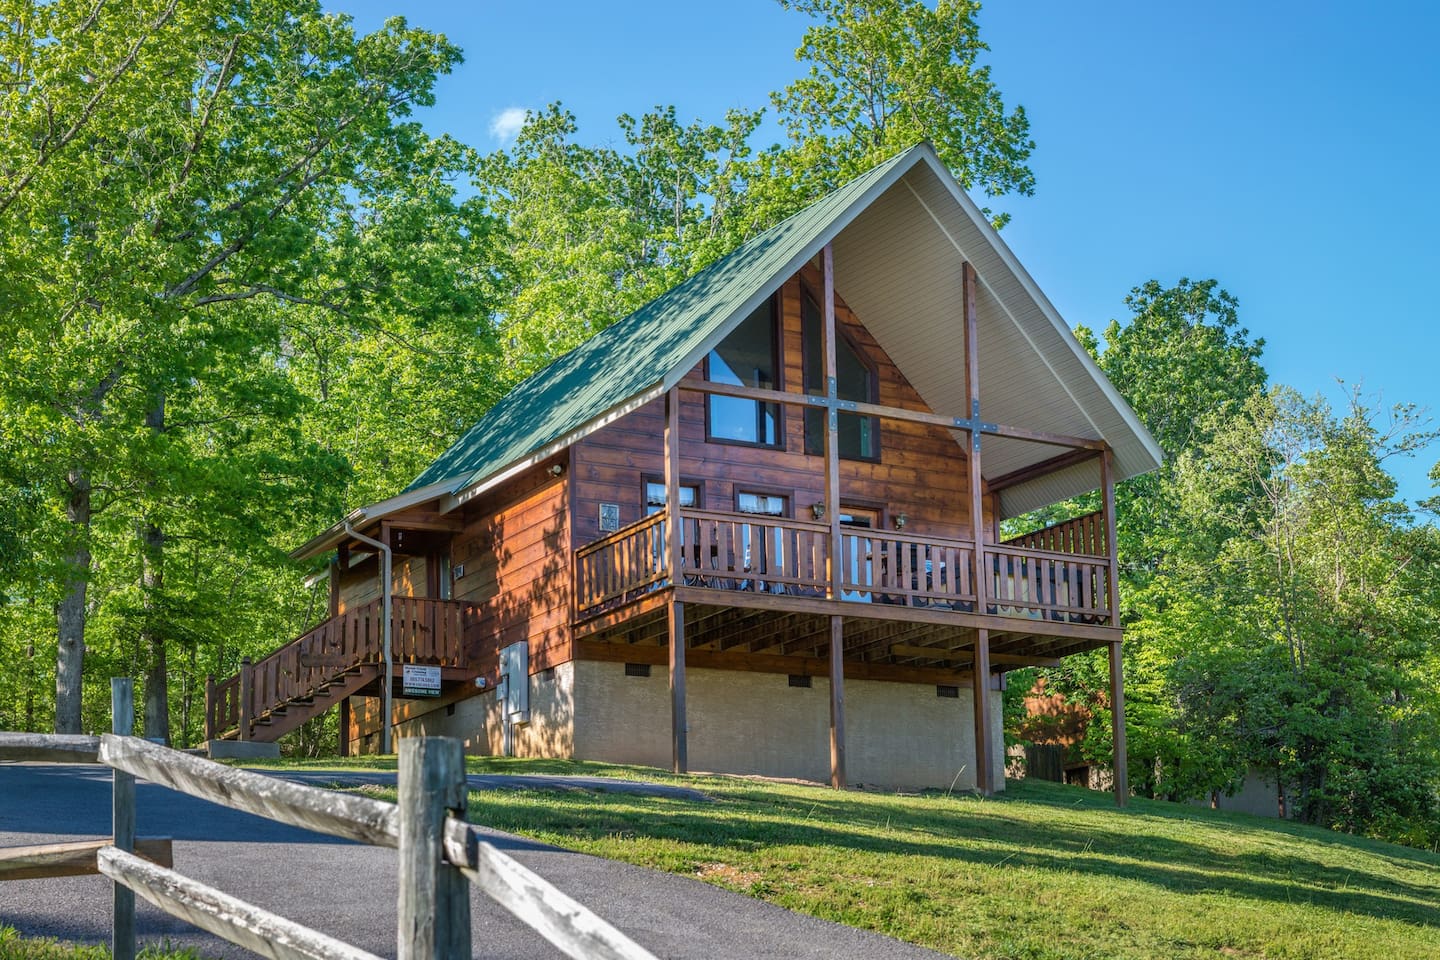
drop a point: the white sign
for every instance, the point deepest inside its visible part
(418, 681)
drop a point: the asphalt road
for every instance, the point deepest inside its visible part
(348, 890)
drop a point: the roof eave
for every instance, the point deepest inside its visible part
(332, 535)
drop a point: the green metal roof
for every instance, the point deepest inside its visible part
(645, 350)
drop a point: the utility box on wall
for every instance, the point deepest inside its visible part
(515, 674)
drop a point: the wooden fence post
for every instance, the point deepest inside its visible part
(434, 897)
(122, 808)
(247, 688)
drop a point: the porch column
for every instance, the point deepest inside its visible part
(1107, 494)
(972, 386)
(832, 513)
(837, 702)
(832, 425)
(984, 781)
(679, 753)
(1121, 758)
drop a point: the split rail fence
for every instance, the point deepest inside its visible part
(440, 854)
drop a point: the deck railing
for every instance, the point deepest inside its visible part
(422, 630)
(616, 569)
(1066, 580)
(1082, 535)
(742, 551)
(910, 569)
(1047, 585)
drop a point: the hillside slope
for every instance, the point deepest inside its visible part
(1044, 872)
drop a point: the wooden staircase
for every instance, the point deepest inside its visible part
(340, 658)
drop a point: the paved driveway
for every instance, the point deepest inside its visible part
(348, 890)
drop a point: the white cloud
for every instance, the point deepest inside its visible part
(507, 123)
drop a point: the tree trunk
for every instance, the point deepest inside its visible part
(154, 628)
(152, 633)
(70, 612)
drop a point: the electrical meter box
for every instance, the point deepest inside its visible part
(515, 671)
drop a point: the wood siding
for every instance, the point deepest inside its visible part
(514, 549)
(921, 471)
(361, 583)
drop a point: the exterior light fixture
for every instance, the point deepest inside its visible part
(900, 521)
(818, 509)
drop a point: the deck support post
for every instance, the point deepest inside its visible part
(210, 727)
(344, 724)
(122, 809)
(1121, 758)
(679, 748)
(837, 702)
(980, 685)
(247, 694)
(674, 534)
(832, 514)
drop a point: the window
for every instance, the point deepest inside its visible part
(770, 504)
(637, 669)
(655, 496)
(855, 379)
(749, 357)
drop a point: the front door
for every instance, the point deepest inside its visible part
(857, 550)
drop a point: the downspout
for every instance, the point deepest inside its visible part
(386, 693)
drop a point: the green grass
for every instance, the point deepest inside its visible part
(1043, 872)
(15, 947)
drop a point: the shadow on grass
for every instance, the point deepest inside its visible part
(986, 834)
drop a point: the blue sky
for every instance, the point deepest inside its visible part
(1290, 150)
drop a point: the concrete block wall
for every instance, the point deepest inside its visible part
(476, 720)
(898, 735)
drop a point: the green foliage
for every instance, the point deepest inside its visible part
(1277, 599)
(885, 74)
(195, 202)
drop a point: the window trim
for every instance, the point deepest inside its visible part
(777, 347)
(843, 334)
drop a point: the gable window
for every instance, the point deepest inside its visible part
(855, 380)
(748, 357)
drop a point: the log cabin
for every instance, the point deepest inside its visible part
(753, 527)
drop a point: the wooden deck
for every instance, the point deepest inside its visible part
(761, 585)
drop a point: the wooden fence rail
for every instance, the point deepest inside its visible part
(440, 853)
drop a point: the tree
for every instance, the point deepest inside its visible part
(885, 74)
(177, 181)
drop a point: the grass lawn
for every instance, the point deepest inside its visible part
(1043, 872)
(15, 947)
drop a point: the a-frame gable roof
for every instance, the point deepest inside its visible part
(638, 357)
(900, 232)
